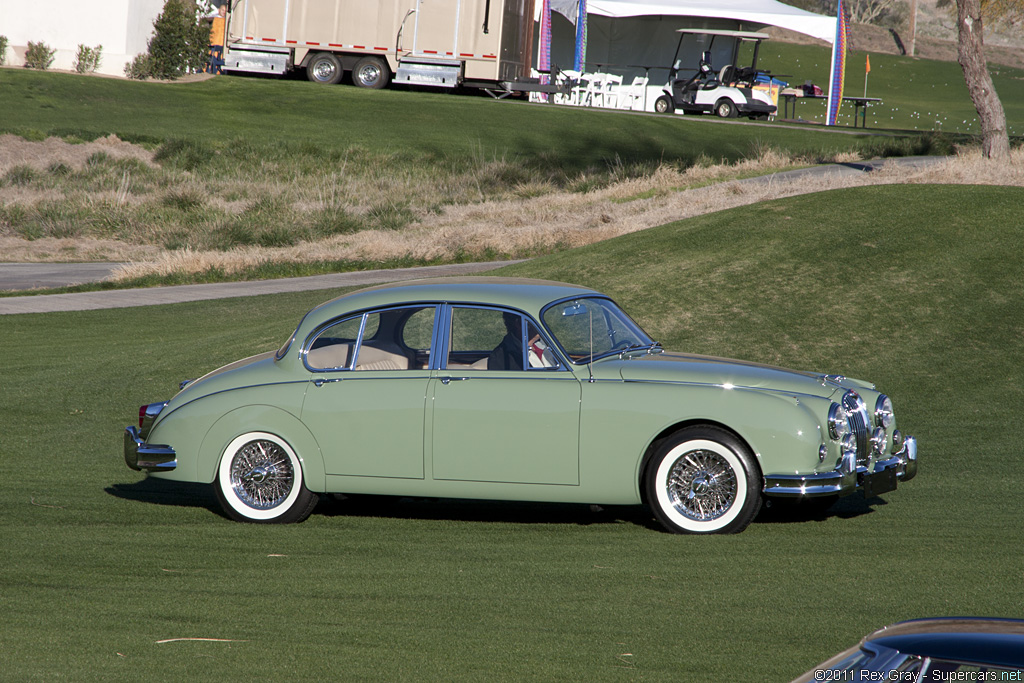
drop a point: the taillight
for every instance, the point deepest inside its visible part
(142, 414)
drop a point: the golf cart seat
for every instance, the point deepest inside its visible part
(727, 75)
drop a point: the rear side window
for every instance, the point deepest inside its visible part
(390, 339)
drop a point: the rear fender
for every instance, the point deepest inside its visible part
(262, 418)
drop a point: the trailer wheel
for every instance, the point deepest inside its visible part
(371, 72)
(324, 67)
(664, 105)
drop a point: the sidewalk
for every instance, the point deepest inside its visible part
(151, 296)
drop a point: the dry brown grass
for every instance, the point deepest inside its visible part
(532, 217)
(566, 219)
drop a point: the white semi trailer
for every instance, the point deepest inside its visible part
(440, 43)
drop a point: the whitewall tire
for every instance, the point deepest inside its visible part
(703, 480)
(259, 479)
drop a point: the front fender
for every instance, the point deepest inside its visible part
(263, 418)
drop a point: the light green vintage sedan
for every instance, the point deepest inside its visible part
(515, 390)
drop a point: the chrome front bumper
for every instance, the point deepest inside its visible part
(139, 455)
(883, 477)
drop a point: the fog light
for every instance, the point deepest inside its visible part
(897, 441)
(878, 440)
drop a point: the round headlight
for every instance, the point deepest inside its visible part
(838, 422)
(883, 411)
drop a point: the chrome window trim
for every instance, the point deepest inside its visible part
(364, 314)
(525, 320)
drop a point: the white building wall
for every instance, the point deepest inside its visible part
(122, 27)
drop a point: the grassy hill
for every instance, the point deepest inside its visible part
(899, 285)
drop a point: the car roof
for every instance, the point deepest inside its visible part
(972, 640)
(526, 294)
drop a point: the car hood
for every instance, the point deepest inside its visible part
(696, 369)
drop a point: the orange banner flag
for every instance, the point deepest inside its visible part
(867, 66)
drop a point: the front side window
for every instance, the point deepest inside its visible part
(494, 339)
(391, 339)
(590, 328)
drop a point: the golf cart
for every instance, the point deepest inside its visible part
(732, 91)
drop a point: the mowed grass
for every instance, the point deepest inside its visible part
(431, 126)
(916, 288)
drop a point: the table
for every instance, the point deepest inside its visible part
(860, 105)
(860, 108)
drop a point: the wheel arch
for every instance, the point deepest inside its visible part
(263, 418)
(668, 431)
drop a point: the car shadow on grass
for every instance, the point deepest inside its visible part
(170, 493)
(813, 510)
(494, 511)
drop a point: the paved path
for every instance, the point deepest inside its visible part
(125, 298)
(46, 275)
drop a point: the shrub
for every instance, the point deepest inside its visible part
(140, 68)
(3, 50)
(39, 56)
(179, 41)
(88, 58)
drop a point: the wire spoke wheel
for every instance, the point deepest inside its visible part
(703, 480)
(261, 474)
(701, 485)
(260, 480)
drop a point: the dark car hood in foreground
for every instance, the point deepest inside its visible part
(691, 368)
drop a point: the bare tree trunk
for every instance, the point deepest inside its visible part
(995, 143)
(912, 28)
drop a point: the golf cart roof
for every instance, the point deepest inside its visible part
(742, 35)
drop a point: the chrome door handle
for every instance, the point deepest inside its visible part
(321, 382)
(446, 380)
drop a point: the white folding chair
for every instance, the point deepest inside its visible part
(633, 95)
(609, 91)
(573, 79)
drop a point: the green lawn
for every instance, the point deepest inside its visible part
(900, 285)
(917, 94)
(297, 117)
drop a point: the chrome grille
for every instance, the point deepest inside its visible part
(858, 412)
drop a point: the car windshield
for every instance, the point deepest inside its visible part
(590, 328)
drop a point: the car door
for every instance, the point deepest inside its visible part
(365, 403)
(503, 409)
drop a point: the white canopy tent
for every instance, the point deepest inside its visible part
(639, 36)
(749, 12)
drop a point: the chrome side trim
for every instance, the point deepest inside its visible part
(140, 456)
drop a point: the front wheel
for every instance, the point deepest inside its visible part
(703, 480)
(371, 72)
(259, 479)
(664, 105)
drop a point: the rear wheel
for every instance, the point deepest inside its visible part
(725, 109)
(259, 479)
(324, 67)
(664, 105)
(371, 72)
(703, 480)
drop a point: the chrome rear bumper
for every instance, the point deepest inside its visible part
(139, 455)
(901, 466)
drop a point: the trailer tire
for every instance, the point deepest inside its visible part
(371, 72)
(324, 67)
(664, 105)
